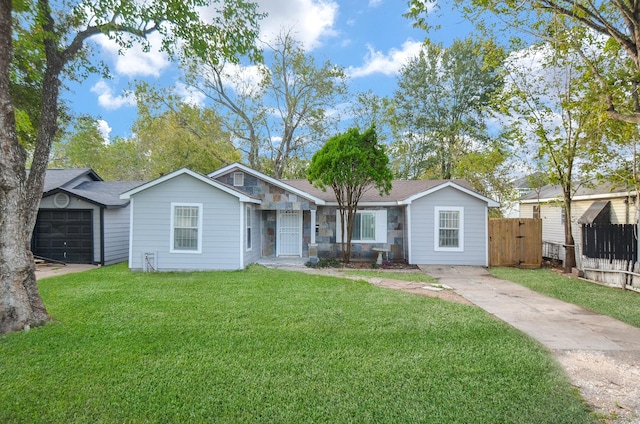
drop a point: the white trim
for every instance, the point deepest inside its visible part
(241, 255)
(131, 233)
(313, 224)
(248, 238)
(242, 197)
(238, 179)
(615, 195)
(299, 213)
(381, 232)
(409, 231)
(490, 203)
(268, 179)
(486, 237)
(436, 228)
(172, 249)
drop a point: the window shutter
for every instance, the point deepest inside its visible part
(381, 226)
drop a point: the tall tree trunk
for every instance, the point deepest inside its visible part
(20, 302)
(569, 242)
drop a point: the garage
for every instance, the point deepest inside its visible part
(64, 235)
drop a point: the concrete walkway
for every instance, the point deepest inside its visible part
(557, 325)
(601, 355)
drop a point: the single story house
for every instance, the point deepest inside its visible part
(237, 215)
(82, 219)
(603, 203)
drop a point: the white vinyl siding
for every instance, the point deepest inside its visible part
(370, 226)
(449, 229)
(186, 227)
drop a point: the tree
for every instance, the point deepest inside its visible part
(283, 114)
(558, 122)
(58, 32)
(174, 134)
(351, 164)
(440, 106)
(551, 20)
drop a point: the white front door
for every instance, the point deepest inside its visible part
(289, 241)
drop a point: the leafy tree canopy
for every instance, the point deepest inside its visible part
(351, 163)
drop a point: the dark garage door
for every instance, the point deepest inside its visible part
(64, 235)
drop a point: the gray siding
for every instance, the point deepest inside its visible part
(222, 247)
(75, 203)
(116, 235)
(422, 223)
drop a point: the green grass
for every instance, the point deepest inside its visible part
(270, 346)
(616, 303)
(418, 277)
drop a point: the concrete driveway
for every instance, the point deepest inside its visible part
(600, 354)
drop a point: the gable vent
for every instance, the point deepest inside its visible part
(61, 200)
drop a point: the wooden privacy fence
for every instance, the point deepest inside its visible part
(610, 241)
(515, 242)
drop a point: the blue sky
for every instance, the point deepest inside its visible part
(369, 38)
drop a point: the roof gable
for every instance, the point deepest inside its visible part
(57, 178)
(243, 197)
(283, 184)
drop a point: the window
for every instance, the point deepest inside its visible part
(536, 211)
(238, 179)
(449, 229)
(248, 226)
(186, 227)
(370, 226)
(364, 227)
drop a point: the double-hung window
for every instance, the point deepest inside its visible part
(449, 229)
(186, 227)
(369, 226)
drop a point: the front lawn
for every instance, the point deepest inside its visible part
(270, 346)
(623, 305)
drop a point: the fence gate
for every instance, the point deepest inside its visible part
(515, 242)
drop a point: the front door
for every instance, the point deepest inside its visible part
(289, 241)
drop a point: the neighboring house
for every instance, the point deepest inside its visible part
(236, 215)
(82, 218)
(522, 187)
(604, 203)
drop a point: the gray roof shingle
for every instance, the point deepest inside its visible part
(401, 189)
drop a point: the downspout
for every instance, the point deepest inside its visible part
(101, 236)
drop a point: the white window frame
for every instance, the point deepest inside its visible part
(436, 228)
(238, 179)
(172, 248)
(380, 223)
(247, 228)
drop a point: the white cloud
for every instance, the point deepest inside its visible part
(375, 3)
(135, 61)
(190, 95)
(309, 20)
(377, 62)
(106, 97)
(104, 129)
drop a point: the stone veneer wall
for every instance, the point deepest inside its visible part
(273, 199)
(329, 247)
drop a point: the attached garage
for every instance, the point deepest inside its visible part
(82, 218)
(64, 235)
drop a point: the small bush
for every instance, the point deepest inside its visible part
(324, 263)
